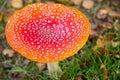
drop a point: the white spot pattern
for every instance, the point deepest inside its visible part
(48, 30)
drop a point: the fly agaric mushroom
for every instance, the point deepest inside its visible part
(47, 33)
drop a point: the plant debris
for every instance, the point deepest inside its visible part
(9, 52)
(98, 59)
(88, 4)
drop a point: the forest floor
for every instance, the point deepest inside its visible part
(99, 59)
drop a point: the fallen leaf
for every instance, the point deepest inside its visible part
(102, 66)
(105, 71)
(109, 37)
(102, 14)
(41, 66)
(93, 34)
(76, 2)
(105, 74)
(103, 27)
(99, 51)
(115, 43)
(8, 52)
(17, 3)
(112, 13)
(80, 77)
(117, 56)
(88, 4)
(99, 48)
(107, 25)
(100, 43)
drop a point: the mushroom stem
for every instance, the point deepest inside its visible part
(54, 70)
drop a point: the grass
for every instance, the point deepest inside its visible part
(84, 64)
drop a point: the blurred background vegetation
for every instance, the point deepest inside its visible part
(99, 59)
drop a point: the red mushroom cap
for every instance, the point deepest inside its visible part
(47, 32)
